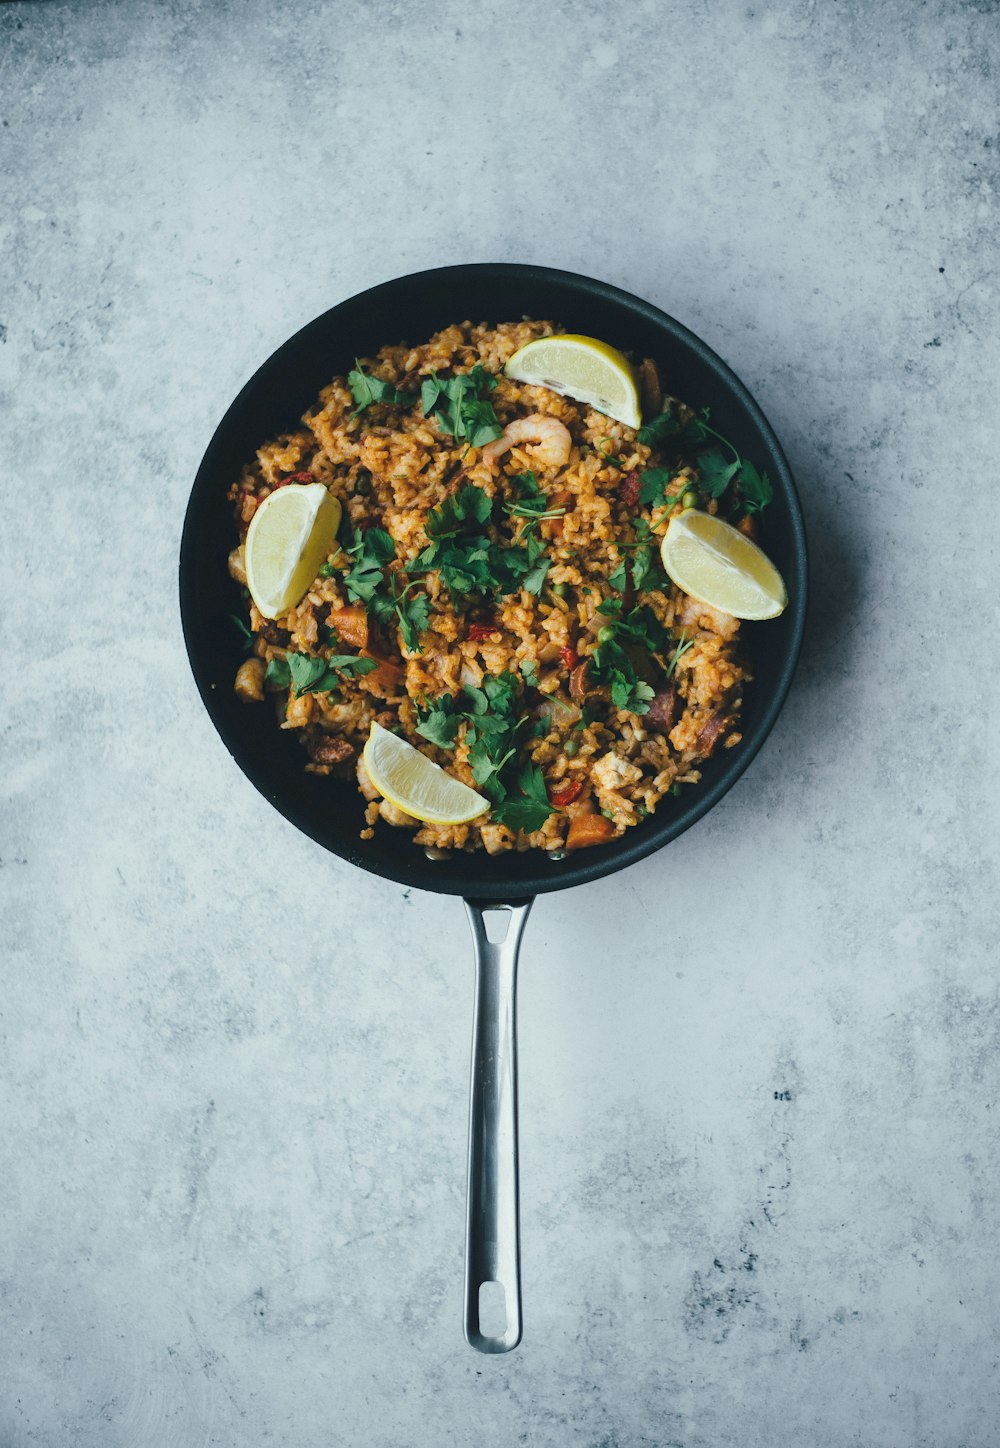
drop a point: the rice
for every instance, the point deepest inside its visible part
(389, 466)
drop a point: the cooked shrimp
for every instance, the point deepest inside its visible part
(551, 439)
(693, 614)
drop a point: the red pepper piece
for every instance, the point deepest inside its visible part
(296, 478)
(566, 793)
(480, 631)
(569, 656)
(628, 488)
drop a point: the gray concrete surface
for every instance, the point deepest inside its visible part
(760, 1140)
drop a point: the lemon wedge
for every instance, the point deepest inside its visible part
(716, 564)
(415, 784)
(583, 368)
(289, 536)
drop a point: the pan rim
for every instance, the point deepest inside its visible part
(588, 865)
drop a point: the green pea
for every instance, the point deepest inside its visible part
(559, 589)
(689, 500)
(570, 747)
(606, 634)
(363, 485)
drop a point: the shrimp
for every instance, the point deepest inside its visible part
(551, 438)
(693, 614)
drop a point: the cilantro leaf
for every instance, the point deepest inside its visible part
(666, 424)
(682, 647)
(414, 618)
(479, 422)
(653, 486)
(278, 675)
(366, 389)
(311, 675)
(529, 810)
(371, 551)
(755, 488)
(468, 506)
(439, 722)
(617, 577)
(529, 673)
(466, 558)
(460, 405)
(246, 635)
(646, 571)
(715, 474)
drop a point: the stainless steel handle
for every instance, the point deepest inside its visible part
(492, 1231)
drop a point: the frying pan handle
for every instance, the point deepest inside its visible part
(492, 1235)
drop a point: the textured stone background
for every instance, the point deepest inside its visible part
(760, 1145)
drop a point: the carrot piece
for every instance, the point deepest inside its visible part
(588, 829)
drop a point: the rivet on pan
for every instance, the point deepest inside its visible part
(556, 854)
(433, 853)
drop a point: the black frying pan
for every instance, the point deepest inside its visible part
(497, 890)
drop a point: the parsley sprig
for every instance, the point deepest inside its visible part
(613, 661)
(644, 565)
(468, 559)
(715, 471)
(461, 405)
(366, 389)
(384, 595)
(683, 645)
(493, 730)
(307, 674)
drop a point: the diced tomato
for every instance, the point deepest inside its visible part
(628, 488)
(480, 631)
(569, 656)
(566, 793)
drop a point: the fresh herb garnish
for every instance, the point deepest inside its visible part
(465, 556)
(385, 595)
(371, 552)
(658, 429)
(365, 390)
(492, 728)
(470, 505)
(530, 808)
(529, 673)
(715, 473)
(438, 721)
(311, 675)
(647, 574)
(653, 487)
(755, 488)
(277, 674)
(247, 636)
(679, 652)
(461, 407)
(612, 662)
(411, 613)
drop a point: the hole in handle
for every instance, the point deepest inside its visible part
(492, 1309)
(496, 923)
